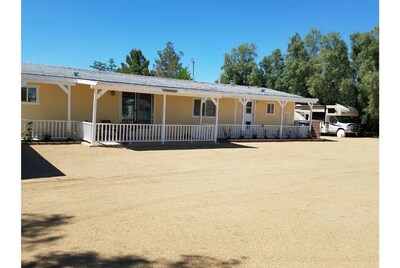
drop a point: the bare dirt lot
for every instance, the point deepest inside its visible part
(272, 204)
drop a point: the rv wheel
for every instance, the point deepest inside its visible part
(340, 133)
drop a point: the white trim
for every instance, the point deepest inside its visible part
(254, 111)
(266, 108)
(86, 82)
(48, 80)
(37, 102)
(101, 93)
(94, 113)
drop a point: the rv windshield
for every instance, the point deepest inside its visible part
(345, 119)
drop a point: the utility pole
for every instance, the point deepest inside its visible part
(192, 61)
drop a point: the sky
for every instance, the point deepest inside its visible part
(75, 33)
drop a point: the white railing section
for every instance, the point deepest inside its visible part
(261, 131)
(58, 129)
(106, 132)
(189, 132)
(85, 131)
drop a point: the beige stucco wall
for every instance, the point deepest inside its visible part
(53, 106)
(262, 117)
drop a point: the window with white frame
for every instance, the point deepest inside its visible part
(270, 108)
(208, 108)
(29, 94)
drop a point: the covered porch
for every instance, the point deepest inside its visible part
(127, 108)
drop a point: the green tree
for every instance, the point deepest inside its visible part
(330, 81)
(365, 59)
(101, 66)
(183, 74)
(168, 64)
(136, 63)
(239, 65)
(273, 67)
(297, 69)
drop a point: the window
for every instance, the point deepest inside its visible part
(249, 108)
(208, 108)
(29, 95)
(270, 108)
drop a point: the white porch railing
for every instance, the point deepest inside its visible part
(261, 131)
(58, 129)
(108, 132)
(189, 132)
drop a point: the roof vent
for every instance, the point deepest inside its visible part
(76, 73)
(232, 83)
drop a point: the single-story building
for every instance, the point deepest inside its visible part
(112, 107)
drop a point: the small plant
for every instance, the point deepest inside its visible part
(71, 136)
(227, 133)
(265, 134)
(27, 133)
(254, 134)
(277, 135)
(241, 135)
(46, 137)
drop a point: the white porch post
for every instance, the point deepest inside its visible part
(94, 116)
(282, 104)
(216, 102)
(244, 103)
(311, 110)
(163, 119)
(202, 101)
(69, 109)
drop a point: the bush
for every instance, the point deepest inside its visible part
(27, 133)
(46, 137)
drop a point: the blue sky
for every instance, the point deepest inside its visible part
(75, 33)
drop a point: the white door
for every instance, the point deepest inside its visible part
(249, 118)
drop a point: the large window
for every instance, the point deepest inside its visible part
(137, 108)
(29, 94)
(270, 108)
(208, 108)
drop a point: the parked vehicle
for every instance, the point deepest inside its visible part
(335, 119)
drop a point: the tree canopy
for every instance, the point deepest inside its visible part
(320, 66)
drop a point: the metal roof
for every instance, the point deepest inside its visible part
(127, 80)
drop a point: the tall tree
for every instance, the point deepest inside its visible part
(168, 64)
(365, 59)
(239, 64)
(273, 67)
(136, 63)
(297, 68)
(331, 77)
(101, 66)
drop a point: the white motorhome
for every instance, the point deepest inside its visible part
(334, 119)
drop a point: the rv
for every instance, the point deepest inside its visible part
(335, 119)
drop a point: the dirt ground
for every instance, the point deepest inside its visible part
(272, 204)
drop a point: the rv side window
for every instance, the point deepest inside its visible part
(331, 110)
(333, 120)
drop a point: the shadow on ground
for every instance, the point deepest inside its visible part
(184, 146)
(93, 260)
(37, 229)
(33, 165)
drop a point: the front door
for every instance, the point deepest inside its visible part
(249, 118)
(137, 108)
